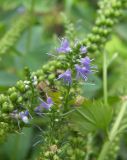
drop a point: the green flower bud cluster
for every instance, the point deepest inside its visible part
(114, 148)
(74, 149)
(16, 96)
(48, 71)
(12, 36)
(115, 145)
(111, 152)
(108, 15)
(77, 149)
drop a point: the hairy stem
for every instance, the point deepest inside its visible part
(113, 132)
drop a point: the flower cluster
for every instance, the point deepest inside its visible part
(23, 115)
(66, 76)
(82, 70)
(64, 47)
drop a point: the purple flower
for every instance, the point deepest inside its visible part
(66, 76)
(85, 61)
(64, 47)
(83, 49)
(47, 105)
(81, 72)
(24, 116)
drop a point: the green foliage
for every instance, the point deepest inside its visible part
(17, 145)
(11, 37)
(113, 139)
(33, 44)
(39, 5)
(91, 117)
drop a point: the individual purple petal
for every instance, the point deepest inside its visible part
(64, 47)
(49, 100)
(85, 61)
(82, 72)
(66, 76)
(86, 70)
(83, 49)
(47, 105)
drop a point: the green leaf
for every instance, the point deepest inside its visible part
(17, 145)
(92, 116)
(91, 88)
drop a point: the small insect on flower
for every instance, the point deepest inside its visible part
(46, 105)
(66, 76)
(64, 47)
(83, 49)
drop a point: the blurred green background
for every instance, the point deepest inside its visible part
(49, 22)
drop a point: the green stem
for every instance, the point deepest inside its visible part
(105, 91)
(67, 99)
(113, 132)
(89, 146)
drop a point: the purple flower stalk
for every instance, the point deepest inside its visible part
(66, 76)
(24, 116)
(64, 47)
(47, 105)
(83, 49)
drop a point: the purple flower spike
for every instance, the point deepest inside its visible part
(85, 61)
(66, 76)
(83, 49)
(24, 116)
(64, 47)
(47, 105)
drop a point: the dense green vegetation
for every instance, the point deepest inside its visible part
(86, 120)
